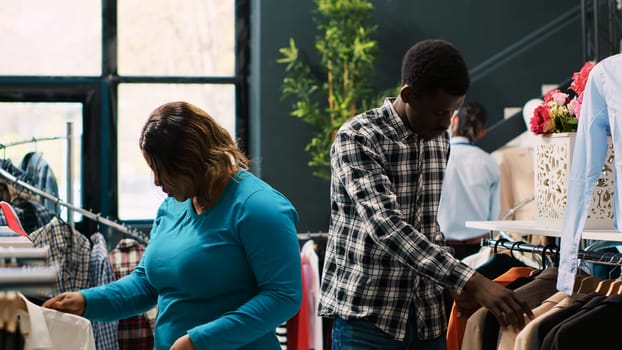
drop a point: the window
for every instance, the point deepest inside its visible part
(105, 65)
(138, 197)
(168, 51)
(53, 38)
(48, 123)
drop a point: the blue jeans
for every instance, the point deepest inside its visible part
(363, 335)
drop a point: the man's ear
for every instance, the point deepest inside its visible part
(454, 120)
(481, 134)
(406, 93)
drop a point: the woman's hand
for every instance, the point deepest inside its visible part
(70, 302)
(183, 343)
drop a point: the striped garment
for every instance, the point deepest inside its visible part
(100, 273)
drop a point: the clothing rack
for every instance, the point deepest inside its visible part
(69, 139)
(32, 140)
(86, 213)
(601, 258)
(309, 235)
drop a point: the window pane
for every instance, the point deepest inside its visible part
(176, 38)
(42, 37)
(25, 121)
(138, 197)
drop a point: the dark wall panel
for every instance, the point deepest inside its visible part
(511, 48)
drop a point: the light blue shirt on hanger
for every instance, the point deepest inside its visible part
(470, 192)
(601, 113)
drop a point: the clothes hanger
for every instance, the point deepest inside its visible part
(588, 284)
(501, 240)
(3, 305)
(614, 287)
(11, 322)
(515, 245)
(554, 261)
(603, 287)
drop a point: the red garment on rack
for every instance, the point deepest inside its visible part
(11, 219)
(298, 326)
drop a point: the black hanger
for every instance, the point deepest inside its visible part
(553, 249)
(515, 244)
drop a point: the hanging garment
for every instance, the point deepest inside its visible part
(508, 335)
(298, 325)
(69, 251)
(47, 329)
(11, 219)
(311, 269)
(595, 328)
(601, 112)
(553, 319)
(40, 174)
(516, 169)
(135, 333)
(533, 290)
(32, 215)
(473, 329)
(494, 267)
(527, 338)
(100, 272)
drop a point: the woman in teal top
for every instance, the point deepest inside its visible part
(223, 262)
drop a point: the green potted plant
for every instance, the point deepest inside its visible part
(327, 99)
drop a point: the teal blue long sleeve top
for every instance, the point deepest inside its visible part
(601, 113)
(227, 277)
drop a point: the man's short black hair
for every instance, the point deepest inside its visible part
(435, 64)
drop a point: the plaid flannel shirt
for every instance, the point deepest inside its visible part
(136, 332)
(70, 252)
(385, 254)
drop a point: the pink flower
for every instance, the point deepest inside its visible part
(549, 95)
(572, 106)
(560, 98)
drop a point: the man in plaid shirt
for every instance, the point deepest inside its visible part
(386, 262)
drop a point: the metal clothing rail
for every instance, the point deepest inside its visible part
(86, 213)
(32, 140)
(69, 139)
(601, 258)
(312, 235)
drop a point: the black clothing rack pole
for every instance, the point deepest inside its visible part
(602, 258)
(86, 213)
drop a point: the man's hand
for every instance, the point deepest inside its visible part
(500, 301)
(465, 304)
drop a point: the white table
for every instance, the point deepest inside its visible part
(528, 227)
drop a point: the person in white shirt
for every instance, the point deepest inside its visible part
(471, 189)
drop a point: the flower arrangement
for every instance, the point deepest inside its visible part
(559, 112)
